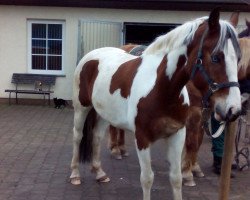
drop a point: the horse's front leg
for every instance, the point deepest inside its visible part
(175, 144)
(187, 175)
(147, 175)
(99, 132)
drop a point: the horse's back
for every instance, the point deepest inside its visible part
(100, 54)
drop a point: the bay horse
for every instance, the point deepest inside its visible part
(195, 132)
(147, 95)
(246, 32)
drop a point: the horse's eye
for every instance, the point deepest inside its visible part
(215, 59)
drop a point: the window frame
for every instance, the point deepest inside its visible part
(29, 53)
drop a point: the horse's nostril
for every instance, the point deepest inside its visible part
(232, 115)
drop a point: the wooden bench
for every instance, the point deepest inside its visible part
(41, 85)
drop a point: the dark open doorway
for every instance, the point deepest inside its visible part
(144, 33)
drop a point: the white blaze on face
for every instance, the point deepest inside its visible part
(233, 99)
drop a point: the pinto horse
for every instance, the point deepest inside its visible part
(147, 95)
(194, 124)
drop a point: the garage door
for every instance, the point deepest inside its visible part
(96, 34)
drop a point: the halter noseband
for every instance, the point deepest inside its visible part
(213, 86)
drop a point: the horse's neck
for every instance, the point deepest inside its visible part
(178, 80)
(194, 95)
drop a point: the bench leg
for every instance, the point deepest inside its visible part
(44, 100)
(49, 99)
(16, 98)
(9, 98)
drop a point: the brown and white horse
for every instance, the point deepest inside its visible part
(194, 124)
(147, 95)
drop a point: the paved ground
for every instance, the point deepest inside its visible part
(35, 154)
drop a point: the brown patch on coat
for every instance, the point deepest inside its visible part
(87, 78)
(162, 113)
(124, 76)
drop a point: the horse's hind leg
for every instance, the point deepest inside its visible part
(115, 151)
(99, 132)
(121, 143)
(196, 169)
(79, 119)
(174, 146)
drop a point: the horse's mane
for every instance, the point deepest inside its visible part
(245, 53)
(183, 35)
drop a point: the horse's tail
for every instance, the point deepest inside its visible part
(86, 145)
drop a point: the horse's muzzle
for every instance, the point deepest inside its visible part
(231, 115)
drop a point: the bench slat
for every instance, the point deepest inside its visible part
(30, 91)
(18, 78)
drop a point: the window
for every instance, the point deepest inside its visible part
(46, 47)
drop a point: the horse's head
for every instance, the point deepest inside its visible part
(213, 54)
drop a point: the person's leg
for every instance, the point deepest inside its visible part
(217, 147)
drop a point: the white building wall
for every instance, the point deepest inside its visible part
(13, 36)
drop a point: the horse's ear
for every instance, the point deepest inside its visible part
(248, 23)
(213, 21)
(234, 19)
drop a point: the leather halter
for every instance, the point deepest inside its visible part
(213, 86)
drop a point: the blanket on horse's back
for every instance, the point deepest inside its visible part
(138, 50)
(245, 86)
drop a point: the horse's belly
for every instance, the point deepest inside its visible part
(166, 126)
(112, 108)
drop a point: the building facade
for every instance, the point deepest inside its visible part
(50, 39)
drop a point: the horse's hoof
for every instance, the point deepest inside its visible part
(124, 153)
(116, 156)
(199, 174)
(104, 179)
(189, 183)
(75, 181)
